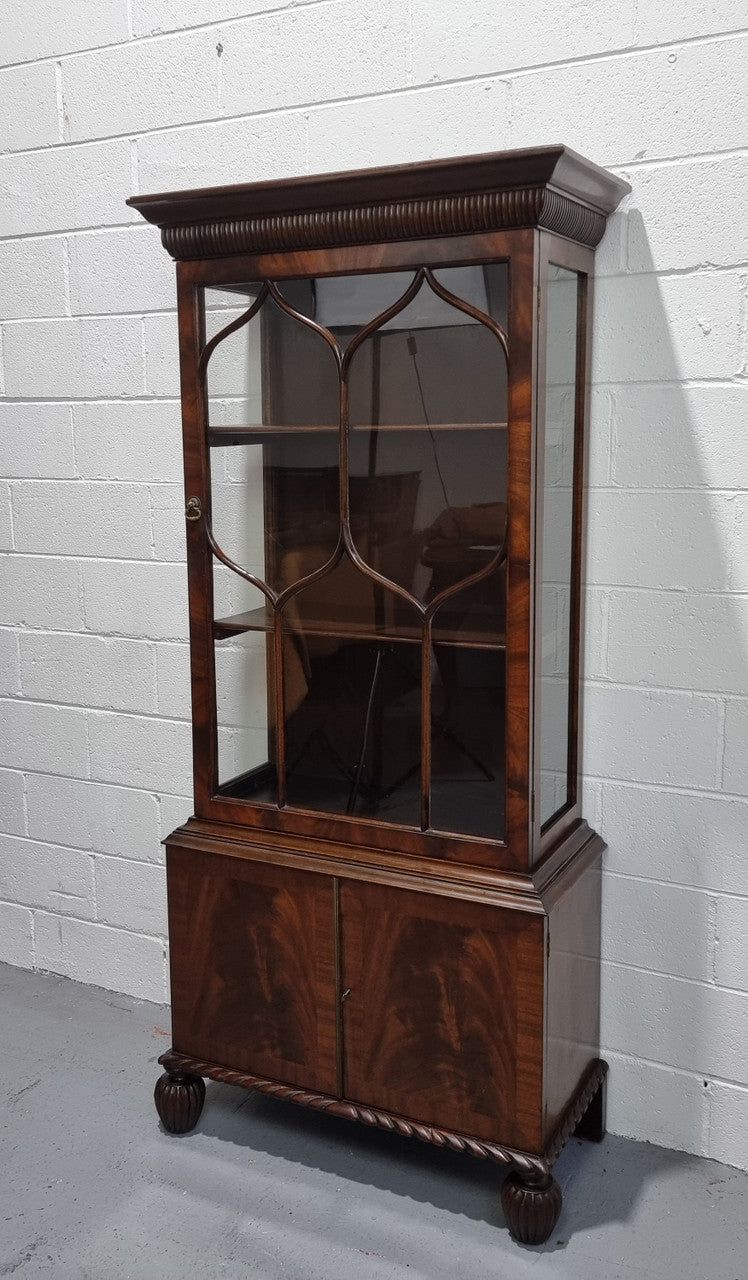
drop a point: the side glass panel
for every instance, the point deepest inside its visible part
(357, 431)
(562, 344)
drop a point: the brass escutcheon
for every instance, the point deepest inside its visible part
(194, 509)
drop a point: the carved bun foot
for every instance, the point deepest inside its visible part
(531, 1209)
(179, 1098)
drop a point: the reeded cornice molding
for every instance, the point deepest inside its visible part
(548, 187)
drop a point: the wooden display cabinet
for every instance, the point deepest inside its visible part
(387, 903)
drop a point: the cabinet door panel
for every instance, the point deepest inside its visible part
(252, 963)
(444, 1018)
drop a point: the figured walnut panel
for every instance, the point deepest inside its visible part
(444, 1019)
(252, 964)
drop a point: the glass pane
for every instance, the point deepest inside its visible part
(234, 374)
(237, 484)
(352, 699)
(427, 454)
(274, 440)
(244, 716)
(344, 304)
(427, 464)
(467, 740)
(558, 506)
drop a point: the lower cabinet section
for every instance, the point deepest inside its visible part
(455, 1018)
(424, 1006)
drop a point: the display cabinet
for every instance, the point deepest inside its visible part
(386, 906)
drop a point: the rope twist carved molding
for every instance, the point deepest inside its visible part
(532, 1168)
(579, 1104)
(396, 220)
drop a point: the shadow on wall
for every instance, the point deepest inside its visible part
(667, 654)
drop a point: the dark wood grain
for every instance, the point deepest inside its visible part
(521, 539)
(424, 1031)
(252, 962)
(536, 892)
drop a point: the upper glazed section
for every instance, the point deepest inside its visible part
(549, 187)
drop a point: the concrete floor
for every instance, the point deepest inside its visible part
(92, 1189)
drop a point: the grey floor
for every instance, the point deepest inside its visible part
(92, 1189)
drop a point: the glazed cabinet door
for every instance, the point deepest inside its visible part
(443, 1020)
(252, 967)
(354, 430)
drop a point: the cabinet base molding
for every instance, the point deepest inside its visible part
(530, 1197)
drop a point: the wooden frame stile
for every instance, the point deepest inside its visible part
(523, 355)
(199, 557)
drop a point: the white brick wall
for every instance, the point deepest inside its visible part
(102, 100)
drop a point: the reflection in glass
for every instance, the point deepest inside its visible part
(242, 708)
(237, 484)
(467, 740)
(234, 380)
(352, 699)
(427, 403)
(271, 451)
(558, 506)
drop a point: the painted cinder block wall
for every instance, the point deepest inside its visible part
(105, 99)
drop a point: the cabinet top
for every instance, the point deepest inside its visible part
(548, 187)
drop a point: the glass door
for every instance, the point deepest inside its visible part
(358, 450)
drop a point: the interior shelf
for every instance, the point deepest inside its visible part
(362, 629)
(256, 433)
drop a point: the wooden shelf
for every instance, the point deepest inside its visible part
(257, 433)
(359, 629)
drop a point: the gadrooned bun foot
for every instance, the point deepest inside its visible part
(179, 1098)
(531, 1208)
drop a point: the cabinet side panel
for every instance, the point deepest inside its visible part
(573, 991)
(252, 967)
(443, 1022)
